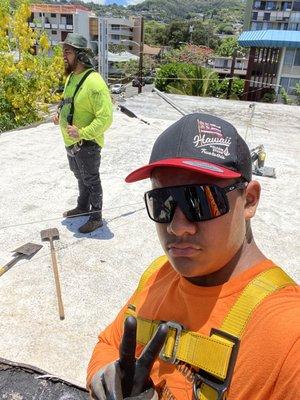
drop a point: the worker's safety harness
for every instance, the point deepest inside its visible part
(214, 355)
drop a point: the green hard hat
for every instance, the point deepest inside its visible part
(76, 40)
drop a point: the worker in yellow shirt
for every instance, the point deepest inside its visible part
(84, 115)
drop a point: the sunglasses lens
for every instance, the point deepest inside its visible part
(160, 205)
(198, 203)
(208, 201)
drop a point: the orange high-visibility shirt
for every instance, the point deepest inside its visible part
(268, 363)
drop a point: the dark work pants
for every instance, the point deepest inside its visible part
(85, 166)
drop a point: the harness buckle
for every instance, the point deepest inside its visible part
(178, 329)
(219, 386)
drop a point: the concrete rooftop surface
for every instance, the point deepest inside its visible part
(100, 270)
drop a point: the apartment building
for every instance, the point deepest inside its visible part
(272, 31)
(119, 31)
(59, 20)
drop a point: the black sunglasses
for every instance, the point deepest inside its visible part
(197, 202)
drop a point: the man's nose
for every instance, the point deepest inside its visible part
(180, 225)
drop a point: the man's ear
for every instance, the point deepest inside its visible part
(252, 197)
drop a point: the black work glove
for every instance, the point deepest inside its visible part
(130, 377)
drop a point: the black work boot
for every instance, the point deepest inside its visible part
(75, 212)
(91, 225)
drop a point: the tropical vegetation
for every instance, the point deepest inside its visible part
(30, 71)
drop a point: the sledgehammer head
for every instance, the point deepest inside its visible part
(50, 234)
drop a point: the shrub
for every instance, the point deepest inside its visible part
(284, 96)
(189, 79)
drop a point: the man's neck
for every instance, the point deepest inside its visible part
(79, 68)
(246, 257)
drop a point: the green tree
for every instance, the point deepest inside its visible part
(116, 48)
(237, 88)
(197, 81)
(183, 78)
(228, 46)
(190, 54)
(155, 33)
(195, 32)
(27, 81)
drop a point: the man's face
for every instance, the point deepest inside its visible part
(197, 249)
(70, 58)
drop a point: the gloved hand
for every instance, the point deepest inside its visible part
(130, 377)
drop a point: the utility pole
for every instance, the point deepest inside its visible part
(231, 74)
(102, 48)
(141, 57)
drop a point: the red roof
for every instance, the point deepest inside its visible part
(57, 9)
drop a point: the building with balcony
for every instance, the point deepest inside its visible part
(222, 65)
(58, 20)
(119, 30)
(272, 32)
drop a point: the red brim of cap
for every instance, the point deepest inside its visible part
(190, 164)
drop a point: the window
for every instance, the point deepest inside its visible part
(287, 6)
(68, 17)
(53, 15)
(54, 32)
(296, 6)
(271, 5)
(284, 82)
(289, 84)
(292, 85)
(115, 27)
(267, 16)
(289, 57)
(256, 5)
(254, 15)
(297, 58)
(115, 37)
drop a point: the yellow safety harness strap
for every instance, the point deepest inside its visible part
(212, 354)
(153, 267)
(209, 353)
(235, 322)
(254, 293)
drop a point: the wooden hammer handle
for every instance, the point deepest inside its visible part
(57, 283)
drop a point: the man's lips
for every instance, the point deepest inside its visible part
(183, 249)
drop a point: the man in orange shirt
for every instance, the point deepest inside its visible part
(214, 291)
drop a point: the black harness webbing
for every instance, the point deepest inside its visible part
(71, 113)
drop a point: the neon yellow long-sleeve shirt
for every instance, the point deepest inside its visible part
(92, 108)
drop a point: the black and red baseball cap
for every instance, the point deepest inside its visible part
(202, 143)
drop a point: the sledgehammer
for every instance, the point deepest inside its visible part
(52, 234)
